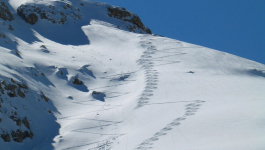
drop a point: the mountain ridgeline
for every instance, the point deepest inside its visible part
(78, 74)
(17, 100)
(62, 11)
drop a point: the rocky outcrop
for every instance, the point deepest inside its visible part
(124, 15)
(99, 96)
(13, 89)
(20, 93)
(31, 18)
(26, 122)
(2, 35)
(5, 136)
(5, 13)
(19, 136)
(16, 119)
(59, 14)
(44, 97)
(14, 97)
(77, 81)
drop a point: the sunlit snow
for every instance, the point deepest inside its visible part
(136, 91)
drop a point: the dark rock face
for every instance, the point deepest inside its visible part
(2, 89)
(117, 13)
(59, 14)
(10, 28)
(19, 135)
(20, 93)
(26, 122)
(44, 97)
(13, 88)
(123, 14)
(6, 137)
(10, 89)
(2, 35)
(16, 119)
(5, 13)
(32, 18)
(77, 81)
(15, 125)
(11, 94)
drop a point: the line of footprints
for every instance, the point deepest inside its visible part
(191, 109)
(150, 73)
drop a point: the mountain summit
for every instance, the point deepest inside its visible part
(85, 75)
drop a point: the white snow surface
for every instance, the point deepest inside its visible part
(160, 93)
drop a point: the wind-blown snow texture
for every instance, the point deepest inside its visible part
(90, 84)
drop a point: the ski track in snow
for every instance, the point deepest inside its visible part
(149, 62)
(150, 73)
(158, 92)
(190, 108)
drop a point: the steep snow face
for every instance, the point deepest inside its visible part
(90, 85)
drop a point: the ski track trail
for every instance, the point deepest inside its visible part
(190, 108)
(151, 75)
(134, 91)
(149, 62)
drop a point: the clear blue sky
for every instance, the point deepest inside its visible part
(233, 26)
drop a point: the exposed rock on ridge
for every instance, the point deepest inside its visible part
(123, 14)
(59, 14)
(5, 13)
(11, 112)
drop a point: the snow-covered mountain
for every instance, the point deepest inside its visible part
(87, 75)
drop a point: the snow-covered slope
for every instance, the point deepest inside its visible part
(86, 84)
